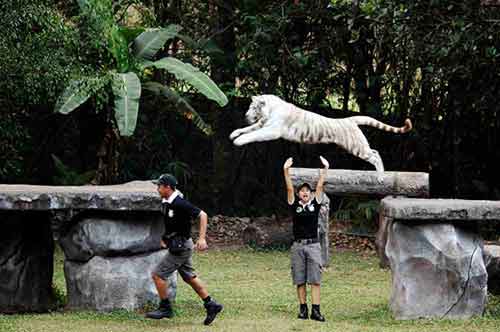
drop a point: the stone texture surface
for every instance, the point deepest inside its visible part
(26, 262)
(324, 230)
(115, 234)
(492, 261)
(384, 224)
(136, 195)
(109, 283)
(437, 272)
(439, 209)
(349, 182)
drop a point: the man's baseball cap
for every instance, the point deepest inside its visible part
(166, 180)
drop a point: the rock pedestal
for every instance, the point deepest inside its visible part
(109, 260)
(492, 260)
(109, 283)
(324, 230)
(26, 262)
(437, 271)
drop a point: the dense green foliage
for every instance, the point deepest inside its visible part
(436, 62)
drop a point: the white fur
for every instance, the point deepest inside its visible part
(272, 118)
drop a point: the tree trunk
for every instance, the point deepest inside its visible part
(108, 154)
(223, 68)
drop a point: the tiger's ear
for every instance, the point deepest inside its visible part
(254, 99)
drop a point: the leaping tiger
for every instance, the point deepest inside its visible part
(271, 118)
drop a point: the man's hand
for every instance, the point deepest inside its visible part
(201, 244)
(288, 163)
(162, 244)
(324, 162)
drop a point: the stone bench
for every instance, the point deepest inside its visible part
(435, 255)
(110, 236)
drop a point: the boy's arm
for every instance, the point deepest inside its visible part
(288, 181)
(322, 175)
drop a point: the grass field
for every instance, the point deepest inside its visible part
(256, 290)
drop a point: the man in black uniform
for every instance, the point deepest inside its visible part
(306, 250)
(178, 214)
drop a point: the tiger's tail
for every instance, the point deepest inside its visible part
(368, 121)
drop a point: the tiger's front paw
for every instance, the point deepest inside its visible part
(240, 141)
(234, 134)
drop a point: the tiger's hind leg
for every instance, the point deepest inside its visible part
(376, 161)
(373, 157)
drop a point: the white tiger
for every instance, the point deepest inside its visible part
(272, 118)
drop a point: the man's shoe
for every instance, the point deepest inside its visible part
(213, 308)
(316, 315)
(163, 311)
(303, 313)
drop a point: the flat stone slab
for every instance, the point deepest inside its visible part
(401, 208)
(136, 195)
(351, 182)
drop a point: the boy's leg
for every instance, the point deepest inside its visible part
(298, 262)
(315, 311)
(314, 279)
(315, 293)
(302, 295)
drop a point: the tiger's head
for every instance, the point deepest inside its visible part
(257, 109)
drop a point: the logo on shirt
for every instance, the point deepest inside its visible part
(311, 208)
(170, 213)
(299, 209)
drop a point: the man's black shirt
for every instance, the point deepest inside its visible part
(178, 215)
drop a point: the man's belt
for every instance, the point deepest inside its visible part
(306, 241)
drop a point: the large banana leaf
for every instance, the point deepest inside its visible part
(148, 43)
(77, 92)
(127, 90)
(192, 75)
(131, 33)
(181, 105)
(118, 46)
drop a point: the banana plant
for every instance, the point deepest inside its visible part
(133, 51)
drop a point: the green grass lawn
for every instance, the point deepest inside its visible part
(256, 289)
